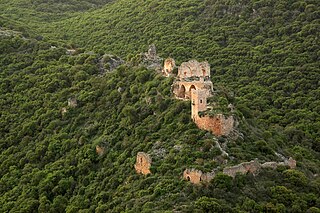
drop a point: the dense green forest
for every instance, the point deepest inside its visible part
(264, 58)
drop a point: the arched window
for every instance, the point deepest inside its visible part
(182, 92)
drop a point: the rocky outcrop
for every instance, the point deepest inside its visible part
(143, 163)
(151, 60)
(72, 102)
(63, 110)
(108, 63)
(100, 150)
(254, 167)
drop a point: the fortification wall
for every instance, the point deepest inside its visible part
(253, 167)
(197, 176)
(217, 124)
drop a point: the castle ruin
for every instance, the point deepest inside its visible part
(193, 83)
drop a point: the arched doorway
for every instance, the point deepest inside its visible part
(192, 87)
(182, 92)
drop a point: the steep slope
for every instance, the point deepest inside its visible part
(266, 51)
(265, 60)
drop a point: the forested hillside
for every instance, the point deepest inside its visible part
(264, 58)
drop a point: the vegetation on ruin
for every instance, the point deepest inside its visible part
(264, 57)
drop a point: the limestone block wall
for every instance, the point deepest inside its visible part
(243, 168)
(143, 163)
(194, 68)
(253, 167)
(168, 66)
(217, 124)
(197, 176)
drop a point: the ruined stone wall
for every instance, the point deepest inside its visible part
(198, 102)
(182, 89)
(243, 168)
(197, 176)
(194, 68)
(288, 162)
(253, 167)
(169, 65)
(143, 163)
(217, 124)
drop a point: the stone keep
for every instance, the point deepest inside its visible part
(193, 83)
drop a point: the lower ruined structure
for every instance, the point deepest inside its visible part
(197, 176)
(243, 168)
(143, 163)
(253, 167)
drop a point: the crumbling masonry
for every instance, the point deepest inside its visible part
(193, 83)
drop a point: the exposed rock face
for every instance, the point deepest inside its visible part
(143, 163)
(169, 65)
(63, 110)
(71, 51)
(151, 60)
(72, 102)
(197, 176)
(109, 62)
(291, 163)
(152, 52)
(100, 150)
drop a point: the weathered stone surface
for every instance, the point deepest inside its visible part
(63, 110)
(243, 168)
(193, 68)
(253, 167)
(100, 150)
(72, 102)
(143, 163)
(169, 65)
(272, 165)
(291, 163)
(197, 176)
(152, 52)
(193, 82)
(109, 62)
(71, 51)
(217, 124)
(151, 60)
